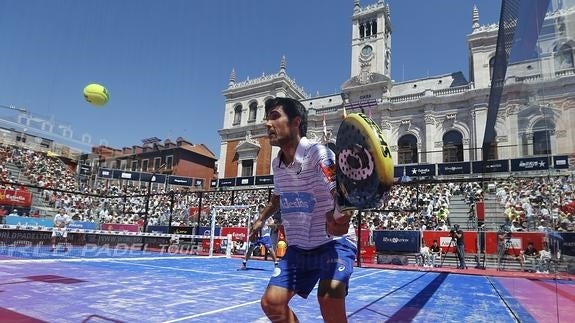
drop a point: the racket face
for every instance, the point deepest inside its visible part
(364, 165)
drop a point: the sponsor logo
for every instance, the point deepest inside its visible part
(328, 168)
(297, 202)
(395, 240)
(531, 164)
(277, 272)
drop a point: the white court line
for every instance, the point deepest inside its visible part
(219, 273)
(30, 261)
(212, 312)
(355, 276)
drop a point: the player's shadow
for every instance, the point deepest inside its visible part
(252, 268)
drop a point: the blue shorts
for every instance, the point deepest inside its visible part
(300, 269)
(265, 240)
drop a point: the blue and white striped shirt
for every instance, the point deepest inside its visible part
(304, 188)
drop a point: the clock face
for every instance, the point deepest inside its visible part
(366, 50)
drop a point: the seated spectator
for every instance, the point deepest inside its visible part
(530, 255)
(544, 261)
(435, 250)
(424, 256)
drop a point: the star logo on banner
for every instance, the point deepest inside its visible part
(541, 164)
(414, 171)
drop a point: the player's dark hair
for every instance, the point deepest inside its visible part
(293, 108)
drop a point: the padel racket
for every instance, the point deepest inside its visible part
(364, 165)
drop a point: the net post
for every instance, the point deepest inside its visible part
(212, 233)
(229, 246)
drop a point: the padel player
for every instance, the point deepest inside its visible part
(61, 221)
(263, 239)
(321, 245)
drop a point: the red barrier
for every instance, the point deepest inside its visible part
(480, 211)
(365, 233)
(237, 233)
(21, 198)
(519, 240)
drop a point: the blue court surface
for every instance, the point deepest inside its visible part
(106, 285)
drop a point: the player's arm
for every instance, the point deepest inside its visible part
(272, 207)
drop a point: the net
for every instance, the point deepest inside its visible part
(24, 241)
(219, 211)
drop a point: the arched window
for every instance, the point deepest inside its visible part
(361, 31)
(564, 58)
(541, 138)
(491, 63)
(253, 112)
(237, 114)
(452, 146)
(407, 150)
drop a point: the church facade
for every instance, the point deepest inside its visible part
(438, 120)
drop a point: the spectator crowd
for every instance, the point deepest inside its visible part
(528, 204)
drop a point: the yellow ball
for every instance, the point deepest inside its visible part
(282, 244)
(96, 94)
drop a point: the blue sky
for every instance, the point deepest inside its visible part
(166, 62)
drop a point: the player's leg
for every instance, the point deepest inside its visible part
(334, 280)
(268, 244)
(275, 302)
(54, 237)
(290, 276)
(65, 237)
(248, 255)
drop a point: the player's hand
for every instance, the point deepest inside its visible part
(337, 222)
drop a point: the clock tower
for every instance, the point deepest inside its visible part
(370, 52)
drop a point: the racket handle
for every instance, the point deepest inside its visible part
(342, 206)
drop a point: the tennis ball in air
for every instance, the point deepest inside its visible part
(96, 94)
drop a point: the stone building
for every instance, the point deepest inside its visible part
(435, 120)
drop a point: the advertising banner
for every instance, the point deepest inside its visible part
(560, 162)
(491, 166)
(397, 241)
(454, 168)
(82, 225)
(568, 243)
(29, 221)
(226, 182)
(179, 180)
(131, 176)
(244, 181)
(529, 164)
(238, 234)
(120, 227)
(182, 230)
(264, 180)
(157, 228)
(105, 173)
(152, 178)
(420, 170)
(21, 198)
